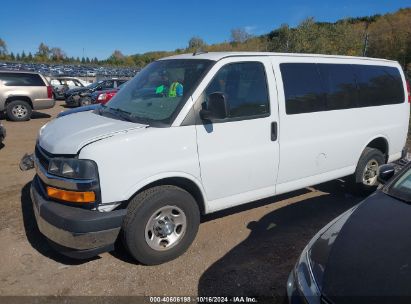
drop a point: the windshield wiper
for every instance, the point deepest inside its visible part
(122, 113)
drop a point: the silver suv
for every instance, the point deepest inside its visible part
(22, 92)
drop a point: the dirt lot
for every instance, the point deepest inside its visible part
(242, 251)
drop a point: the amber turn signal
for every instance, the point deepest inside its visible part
(71, 196)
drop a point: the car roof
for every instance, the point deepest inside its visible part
(63, 77)
(216, 56)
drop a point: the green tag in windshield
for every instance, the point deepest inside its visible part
(160, 89)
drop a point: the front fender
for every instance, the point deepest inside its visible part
(165, 175)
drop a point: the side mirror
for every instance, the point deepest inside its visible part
(386, 172)
(217, 107)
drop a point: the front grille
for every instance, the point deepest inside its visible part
(42, 156)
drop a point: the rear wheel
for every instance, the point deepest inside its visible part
(160, 225)
(18, 110)
(366, 172)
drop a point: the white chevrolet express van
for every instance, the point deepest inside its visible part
(197, 133)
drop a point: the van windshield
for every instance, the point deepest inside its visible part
(159, 91)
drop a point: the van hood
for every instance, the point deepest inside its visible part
(68, 134)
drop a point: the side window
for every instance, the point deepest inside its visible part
(70, 83)
(303, 90)
(244, 85)
(21, 79)
(340, 86)
(108, 84)
(379, 85)
(55, 82)
(120, 82)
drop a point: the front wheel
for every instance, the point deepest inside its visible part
(160, 225)
(85, 101)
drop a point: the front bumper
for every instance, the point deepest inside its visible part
(294, 297)
(2, 133)
(77, 232)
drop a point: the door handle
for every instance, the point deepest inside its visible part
(274, 131)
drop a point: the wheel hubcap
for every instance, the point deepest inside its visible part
(165, 228)
(86, 102)
(19, 111)
(370, 173)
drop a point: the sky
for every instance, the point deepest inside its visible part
(96, 28)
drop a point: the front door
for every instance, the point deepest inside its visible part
(239, 155)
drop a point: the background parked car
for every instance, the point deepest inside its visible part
(363, 256)
(22, 92)
(2, 133)
(103, 97)
(74, 70)
(62, 84)
(82, 96)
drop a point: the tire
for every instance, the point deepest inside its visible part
(85, 101)
(141, 228)
(18, 110)
(366, 173)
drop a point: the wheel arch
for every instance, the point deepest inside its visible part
(18, 97)
(186, 182)
(381, 143)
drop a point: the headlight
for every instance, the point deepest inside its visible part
(309, 270)
(73, 168)
(102, 96)
(305, 280)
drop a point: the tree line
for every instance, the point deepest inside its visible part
(383, 36)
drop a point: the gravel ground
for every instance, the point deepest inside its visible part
(248, 250)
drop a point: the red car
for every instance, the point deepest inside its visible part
(103, 97)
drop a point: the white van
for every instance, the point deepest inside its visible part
(196, 133)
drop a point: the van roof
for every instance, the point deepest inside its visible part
(215, 56)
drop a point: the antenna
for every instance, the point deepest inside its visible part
(199, 51)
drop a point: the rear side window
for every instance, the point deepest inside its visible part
(21, 79)
(245, 87)
(120, 82)
(379, 85)
(340, 86)
(303, 88)
(311, 87)
(108, 84)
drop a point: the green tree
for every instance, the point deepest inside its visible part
(43, 52)
(57, 54)
(196, 43)
(240, 35)
(3, 47)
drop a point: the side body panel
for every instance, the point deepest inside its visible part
(238, 159)
(320, 146)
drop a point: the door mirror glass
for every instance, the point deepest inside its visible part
(217, 107)
(386, 172)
